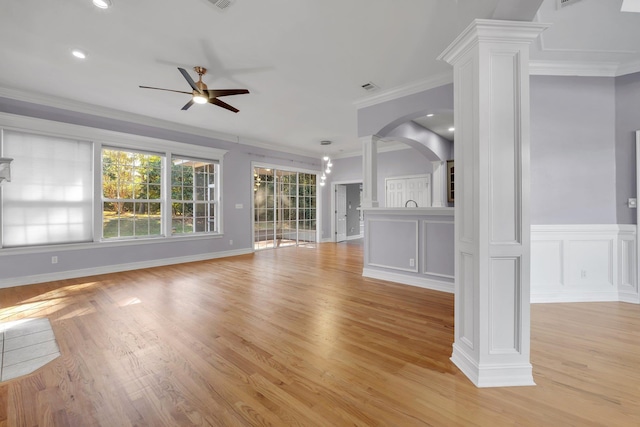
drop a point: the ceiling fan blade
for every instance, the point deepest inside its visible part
(222, 104)
(189, 79)
(188, 105)
(169, 90)
(213, 93)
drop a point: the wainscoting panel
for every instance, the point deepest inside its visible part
(571, 263)
(399, 256)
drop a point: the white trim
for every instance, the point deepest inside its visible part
(584, 262)
(258, 164)
(505, 375)
(71, 274)
(421, 282)
(574, 68)
(355, 237)
(100, 138)
(405, 90)
(332, 213)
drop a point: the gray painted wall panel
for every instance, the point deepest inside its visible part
(573, 168)
(627, 122)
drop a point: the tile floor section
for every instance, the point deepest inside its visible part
(26, 345)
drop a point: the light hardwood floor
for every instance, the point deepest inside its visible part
(296, 336)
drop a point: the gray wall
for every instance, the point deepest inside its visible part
(237, 189)
(573, 150)
(627, 122)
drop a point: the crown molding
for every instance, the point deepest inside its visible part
(628, 68)
(390, 145)
(110, 113)
(405, 90)
(573, 68)
(583, 69)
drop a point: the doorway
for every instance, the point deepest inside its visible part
(347, 222)
(284, 208)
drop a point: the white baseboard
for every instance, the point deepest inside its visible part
(583, 263)
(503, 375)
(85, 272)
(355, 237)
(406, 279)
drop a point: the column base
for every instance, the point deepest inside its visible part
(493, 375)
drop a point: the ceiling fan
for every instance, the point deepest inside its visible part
(202, 95)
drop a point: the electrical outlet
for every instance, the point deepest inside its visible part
(583, 274)
(230, 242)
(54, 260)
(412, 262)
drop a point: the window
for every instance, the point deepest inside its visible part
(131, 194)
(50, 197)
(70, 187)
(194, 196)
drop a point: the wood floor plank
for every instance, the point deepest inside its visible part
(297, 337)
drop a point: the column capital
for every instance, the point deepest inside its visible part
(491, 30)
(369, 139)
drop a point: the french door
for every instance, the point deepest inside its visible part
(284, 208)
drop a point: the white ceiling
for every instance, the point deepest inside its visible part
(304, 61)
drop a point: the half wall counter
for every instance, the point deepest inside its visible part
(413, 246)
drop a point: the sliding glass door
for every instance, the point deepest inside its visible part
(284, 208)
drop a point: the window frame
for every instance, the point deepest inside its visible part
(208, 202)
(124, 141)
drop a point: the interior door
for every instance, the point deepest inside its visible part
(341, 213)
(419, 190)
(394, 192)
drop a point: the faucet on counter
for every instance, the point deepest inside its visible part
(416, 203)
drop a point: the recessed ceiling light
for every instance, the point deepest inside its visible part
(102, 4)
(452, 129)
(80, 54)
(430, 115)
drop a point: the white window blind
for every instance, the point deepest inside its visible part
(49, 198)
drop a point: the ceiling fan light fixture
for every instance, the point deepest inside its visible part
(102, 4)
(199, 98)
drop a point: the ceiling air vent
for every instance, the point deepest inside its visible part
(370, 87)
(221, 4)
(563, 3)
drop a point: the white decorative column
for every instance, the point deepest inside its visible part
(437, 184)
(492, 227)
(369, 171)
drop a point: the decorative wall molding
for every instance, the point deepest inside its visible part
(421, 282)
(583, 262)
(72, 274)
(376, 237)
